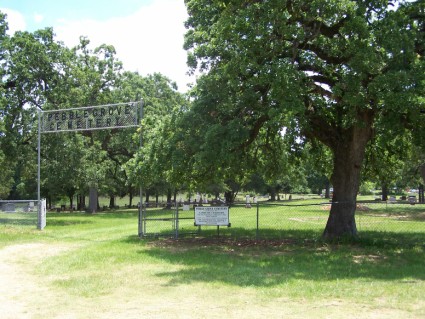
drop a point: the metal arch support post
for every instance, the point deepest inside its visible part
(39, 212)
(141, 214)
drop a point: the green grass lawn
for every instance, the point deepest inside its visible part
(103, 266)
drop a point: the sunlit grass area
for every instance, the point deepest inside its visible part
(105, 263)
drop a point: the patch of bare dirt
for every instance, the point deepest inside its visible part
(19, 287)
(359, 259)
(222, 242)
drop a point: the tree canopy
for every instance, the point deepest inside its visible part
(330, 71)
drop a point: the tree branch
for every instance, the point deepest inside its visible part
(254, 131)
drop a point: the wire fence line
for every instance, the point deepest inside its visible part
(23, 213)
(262, 220)
(265, 220)
(18, 213)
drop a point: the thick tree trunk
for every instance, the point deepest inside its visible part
(111, 201)
(272, 195)
(71, 202)
(422, 170)
(421, 187)
(93, 200)
(229, 197)
(348, 154)
(169, 194)
(147, 196)
(81, 202)
(421, 194)
(130, 197)
(327, 190)
(384, 192)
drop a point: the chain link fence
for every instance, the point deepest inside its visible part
(282, 220)
(23, 213)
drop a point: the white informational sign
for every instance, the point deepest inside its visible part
(212, 216)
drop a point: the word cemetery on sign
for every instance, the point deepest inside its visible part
(90, 118)
(212, 216)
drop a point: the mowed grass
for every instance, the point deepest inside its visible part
(106, 266)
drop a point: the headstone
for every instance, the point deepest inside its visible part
(248, 201)
(9, 207)
(412, 199)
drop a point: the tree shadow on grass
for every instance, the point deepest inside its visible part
(121, 214)
(76, 218)
(64, 222)
(268, 263)
(18, 221)
(100, 214)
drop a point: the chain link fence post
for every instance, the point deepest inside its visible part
(258, 222)
(177, 221)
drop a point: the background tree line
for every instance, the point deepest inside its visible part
(40, 73)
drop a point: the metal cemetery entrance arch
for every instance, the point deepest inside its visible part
(102, 117)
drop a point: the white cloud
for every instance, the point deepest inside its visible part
(15, 20)
(38, 18)
(150, 40)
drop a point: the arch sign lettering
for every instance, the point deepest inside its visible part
(90, 118)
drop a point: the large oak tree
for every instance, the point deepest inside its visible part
(330, 71)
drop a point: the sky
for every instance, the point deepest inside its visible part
(147, 34)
